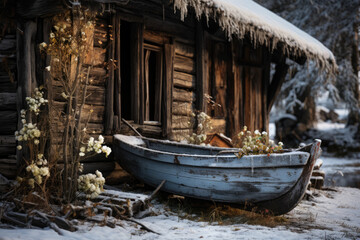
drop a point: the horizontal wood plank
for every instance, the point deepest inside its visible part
(185, 50)
(183, 108)
(184, 64)
(184, 80)
(6, 85)
(180, 134)
(182, 95)
(182, 122)
(7, 101)
(8, 122)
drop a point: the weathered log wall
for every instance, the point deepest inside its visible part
(198, 59)
(93, 114)
(8, 113)
(184, 95)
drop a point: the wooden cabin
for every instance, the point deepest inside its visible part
(167, 56)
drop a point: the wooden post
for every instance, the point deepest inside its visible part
(265, 87)
(118, 75)
(136, 53)
(25, 47)
(109, 108)
(275, 86)
(201, 78)
(168, 88)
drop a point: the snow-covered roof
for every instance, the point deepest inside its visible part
(240, 17)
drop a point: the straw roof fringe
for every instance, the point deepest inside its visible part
(294, 41)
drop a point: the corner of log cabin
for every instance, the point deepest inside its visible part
(198, 60)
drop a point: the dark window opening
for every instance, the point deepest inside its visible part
(125, 70)
(153, 83)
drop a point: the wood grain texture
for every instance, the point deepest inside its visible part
(182, 95)
(184, 80)
(168, 88)
(109, 97)
(184, 64)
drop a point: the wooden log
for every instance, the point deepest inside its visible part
(171, 28)
(201, 68)
(265, 88)
(184, 64)
(100, 35)
(183, 95)
(184, 80)
(183, 108)
(248, 100)
(95, 94)
(150, 131)
(136, 53)
(8, 44)
(184, 50)
(8, 101)
(275, 85)
(96, 58)
(168, 88)
(96, 112)
(8, 170)
(180, 134)
(221, 59)
(182, 122)
(8, 122)
(109, 107)
(6, 86)
(218, 126)
(8, 160)
(155, 37)
(117, 97)
(7, 150)
(7, 145)
(235, 90)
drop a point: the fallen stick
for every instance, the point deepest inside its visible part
(132, 128)
(142, 225)
(156, 191)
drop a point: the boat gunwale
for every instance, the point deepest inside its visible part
(206, 157)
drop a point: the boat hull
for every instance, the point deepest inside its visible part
(223, 178)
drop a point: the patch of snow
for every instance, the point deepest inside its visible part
(343, 113)
(331, 215)
(325, 126)
(272, 130)
(133, 140)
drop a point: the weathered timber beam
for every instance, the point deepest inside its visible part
(117, 123)
(25, 47)
(136, 71)
(7, 101)
(168, 88)
(265, 89)
(32, 9)
(275, 86)
(109, 107)
(201, 78)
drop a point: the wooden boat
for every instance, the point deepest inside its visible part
(277, 182)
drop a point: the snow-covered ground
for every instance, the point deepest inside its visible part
(330, 215)
(341, 171)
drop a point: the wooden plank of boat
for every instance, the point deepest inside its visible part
(200, 172)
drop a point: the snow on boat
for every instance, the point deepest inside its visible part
(277, 182)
